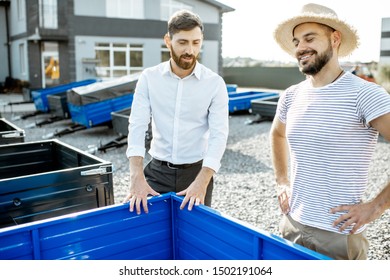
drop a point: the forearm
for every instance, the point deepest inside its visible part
(204, 176)
(136, 168)
(139, 188)
(279, 155)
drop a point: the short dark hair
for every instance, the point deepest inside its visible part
(183, 20)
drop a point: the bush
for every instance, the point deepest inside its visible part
(384, 76)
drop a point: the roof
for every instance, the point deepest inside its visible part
(224, 8)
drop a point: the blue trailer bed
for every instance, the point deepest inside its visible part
(241, 101)
(93, 114)
(165, 233)
(93, 104)
(40, 96)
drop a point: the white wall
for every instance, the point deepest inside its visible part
(385, 42)
(17, 72)
(18, 24)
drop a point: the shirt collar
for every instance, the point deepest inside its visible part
(196, 72)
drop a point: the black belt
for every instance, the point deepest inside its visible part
(175, 166)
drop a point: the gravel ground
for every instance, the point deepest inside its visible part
(244, 185)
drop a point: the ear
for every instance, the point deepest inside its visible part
(167, 41)
(336, 39)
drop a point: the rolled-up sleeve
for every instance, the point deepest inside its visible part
(139, 119)
(219, 127)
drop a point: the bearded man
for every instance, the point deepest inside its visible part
(188, 106)
(323, 137)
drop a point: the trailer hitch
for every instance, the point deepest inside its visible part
(102, 170)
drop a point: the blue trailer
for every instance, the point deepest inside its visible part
(92, 105)
(231, 88)
(165, 233)
(93, 114)
(265, 107)
(39, 96)
(241, 101)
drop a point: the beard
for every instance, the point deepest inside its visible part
(184, 64)
(320, 61)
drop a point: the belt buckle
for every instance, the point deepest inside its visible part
(171, 167)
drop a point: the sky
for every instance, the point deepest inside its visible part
(248, 31)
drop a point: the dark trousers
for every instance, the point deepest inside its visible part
(164, 178)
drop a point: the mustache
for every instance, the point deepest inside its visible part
(187, 56)
(300, 53)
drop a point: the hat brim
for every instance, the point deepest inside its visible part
(283, 33)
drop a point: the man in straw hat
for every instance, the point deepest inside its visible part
(328, 126)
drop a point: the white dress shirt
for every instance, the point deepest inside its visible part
(189, 116)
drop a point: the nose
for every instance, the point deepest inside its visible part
(189, 49)
(300, 48)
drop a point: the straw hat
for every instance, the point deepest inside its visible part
(283, 33)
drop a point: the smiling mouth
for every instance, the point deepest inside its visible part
(305, 57)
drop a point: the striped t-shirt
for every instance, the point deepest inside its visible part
(331, 145)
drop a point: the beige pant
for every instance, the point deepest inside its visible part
(334, 245)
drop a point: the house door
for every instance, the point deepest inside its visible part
(50, 65)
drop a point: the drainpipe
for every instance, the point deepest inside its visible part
(6, 5)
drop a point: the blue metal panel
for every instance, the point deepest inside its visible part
(212, 237)
(110, 234)
(17, 246)
(207, 234)
(96, 113)
(114, 233)
(40, 96)
(242, 100)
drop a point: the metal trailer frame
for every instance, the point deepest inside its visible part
(49, 178)
(165, 233)
(10, 133)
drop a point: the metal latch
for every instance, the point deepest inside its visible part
(13, 135)
(102, 170)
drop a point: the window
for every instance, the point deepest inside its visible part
(165, 55)
(118, 59)
(50, 64)
(48, 14)
(136, 56)
(22, 59)
(21, 9)
(125, 9)
(168, 7)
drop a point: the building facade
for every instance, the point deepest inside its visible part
(385, 42)
(51, 42)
